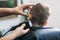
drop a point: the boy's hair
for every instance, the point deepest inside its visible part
(40, 13)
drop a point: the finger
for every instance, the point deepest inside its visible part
(27, 6)
(23, 14)
(22, 26)
(25, 31)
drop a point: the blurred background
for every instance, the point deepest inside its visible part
(7, 22)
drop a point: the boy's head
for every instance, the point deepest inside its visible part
(39, 13)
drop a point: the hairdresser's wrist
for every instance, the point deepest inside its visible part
(14, 11)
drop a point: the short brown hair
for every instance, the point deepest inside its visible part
(39, 13)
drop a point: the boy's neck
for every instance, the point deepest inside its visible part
(36, 24)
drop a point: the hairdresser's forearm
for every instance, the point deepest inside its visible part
(6, 12)
(11, 36)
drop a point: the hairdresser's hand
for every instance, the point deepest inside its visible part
(16, 33)
(19, 9)
(20, 30)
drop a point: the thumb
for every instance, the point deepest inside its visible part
(22, 13)
(25, 31)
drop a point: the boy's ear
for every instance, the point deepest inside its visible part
(29, 16)
(45, 23)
